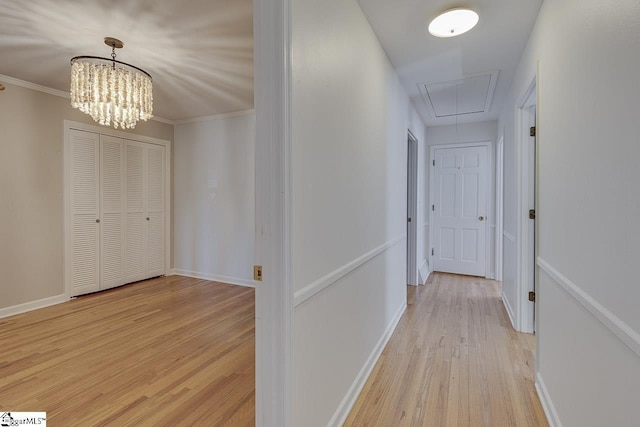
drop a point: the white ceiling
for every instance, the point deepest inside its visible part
(419, 58)
(199, 52)
(469, 95)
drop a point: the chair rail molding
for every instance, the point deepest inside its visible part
(324, 282)
(618, 327)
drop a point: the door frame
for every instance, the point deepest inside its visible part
(526, 268)
(102, 130)
(489, 187)
(499, 212)
(412, 209)
(274, 294)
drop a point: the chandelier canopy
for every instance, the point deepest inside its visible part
(110, 91)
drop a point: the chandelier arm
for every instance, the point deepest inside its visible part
(111, 60)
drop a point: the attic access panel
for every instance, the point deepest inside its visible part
(470, 94)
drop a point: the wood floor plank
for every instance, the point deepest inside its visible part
(169, 351)
(454, 360)
(179, 351)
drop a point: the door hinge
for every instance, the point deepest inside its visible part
(257, 273)
(433, 252)
(434, 163)
(532, 296)
(532, 131)
(532, 214)
(433, 208)
(408, 219)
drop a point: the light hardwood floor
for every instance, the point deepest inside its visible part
(179, 351)
(169, 351)
(454, 360)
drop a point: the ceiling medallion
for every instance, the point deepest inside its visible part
(111, 91)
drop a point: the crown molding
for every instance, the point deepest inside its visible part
(163, 120)
(216, 117)
(60, 93)
(29, 85)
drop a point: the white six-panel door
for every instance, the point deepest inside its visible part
(459, 211)
(116, 211)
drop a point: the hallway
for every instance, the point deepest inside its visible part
(454, 360)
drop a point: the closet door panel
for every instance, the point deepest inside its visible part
(155, 200)
(135, 267)
(84, 212)
(155, 253)
(112, 266)
(112, 269)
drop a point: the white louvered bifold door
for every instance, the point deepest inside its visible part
(84, 233)
(135, 267)
(112, 217)
(155, 218)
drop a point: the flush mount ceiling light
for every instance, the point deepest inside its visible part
(453, 23)
(110, 91)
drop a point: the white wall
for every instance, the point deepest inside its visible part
(464, 133)
(214, 199)
(349, 161)
(588, 202)
(31, 194)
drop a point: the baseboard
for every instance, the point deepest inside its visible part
(341, 414)
(32, 305)
(424, 282)
(213, 277)
(507, 306)
(547, 405)
(424, 272)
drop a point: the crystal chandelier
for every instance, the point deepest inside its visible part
(111, 91)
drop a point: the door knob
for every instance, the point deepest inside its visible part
(481, 218)
(98, 221)
(148, 219)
